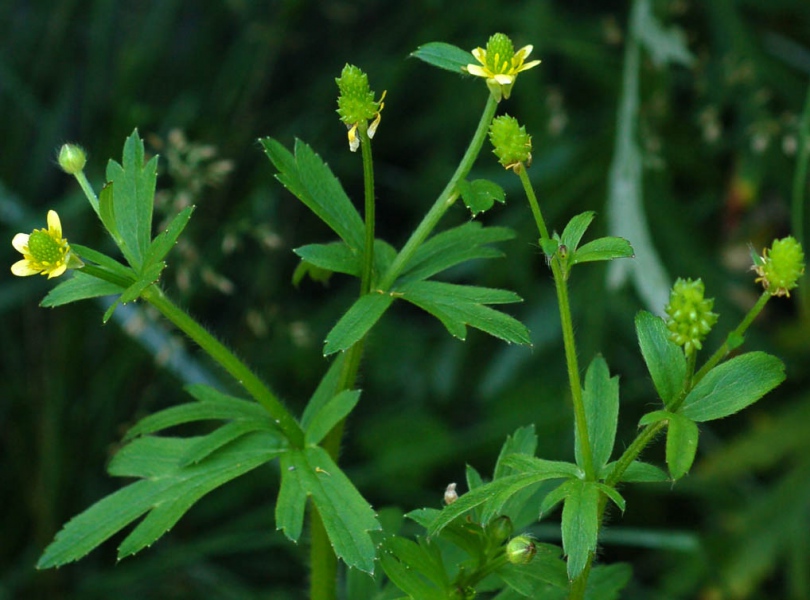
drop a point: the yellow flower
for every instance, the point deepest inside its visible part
(45, 251)
(500, 64)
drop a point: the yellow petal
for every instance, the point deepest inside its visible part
(480, 55)
(54, 224)
(524, 52)
(477, 70)
(20, 242)
(22, 268)
(529, 65)
(504, 79)
(57, 271)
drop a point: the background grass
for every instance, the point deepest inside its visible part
(719, 141)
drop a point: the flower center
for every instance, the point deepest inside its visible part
(44, 248)
(500, 52)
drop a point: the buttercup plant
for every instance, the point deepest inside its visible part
(475, 543)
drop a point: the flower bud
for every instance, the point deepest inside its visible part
(690, 315)
(511, 144)
(780, 267)
(72, 159)
(500, 529)
(521, 550)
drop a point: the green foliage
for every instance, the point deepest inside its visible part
(311, 181)
(79, 287)
(444, 56)
(480, 195)
(732, 386)
(601, 399)
(129, 211)
(346, 515)
(354, 325)
(165, 490)
(457, 306)
(462, 397)
(665, 360)
(453, 247)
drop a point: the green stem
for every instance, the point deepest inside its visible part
(236, 368)
(323, 562)
(368, 181)
(572, 363)
(88, 191)
(733, 340)
(323, 567)
(445, 199)
(533, 204)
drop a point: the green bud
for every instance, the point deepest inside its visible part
(780, 266)
(500, 529)
(690, 315)
(72, 159)
(511, 144)
(521, 550)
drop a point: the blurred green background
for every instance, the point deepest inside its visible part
(203, 80)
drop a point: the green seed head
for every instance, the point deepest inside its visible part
(356, 101)
(500, 51)
(781, 266)
(44, 248)
(511, 144)
(690, 315)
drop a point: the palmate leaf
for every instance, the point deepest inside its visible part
(166, 240)
(79, 287)
(457, 306)
(334, 411)
(133, 199)
(336, 257)
(165, 491)
(311, 181)
(416, 568)
(353, 325)
(346, 516)
(452, 247)
(496, 493)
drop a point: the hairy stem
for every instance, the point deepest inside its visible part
(445, 199)
(569, 341)
(228, 360)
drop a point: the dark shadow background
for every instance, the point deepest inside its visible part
(720, 143)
